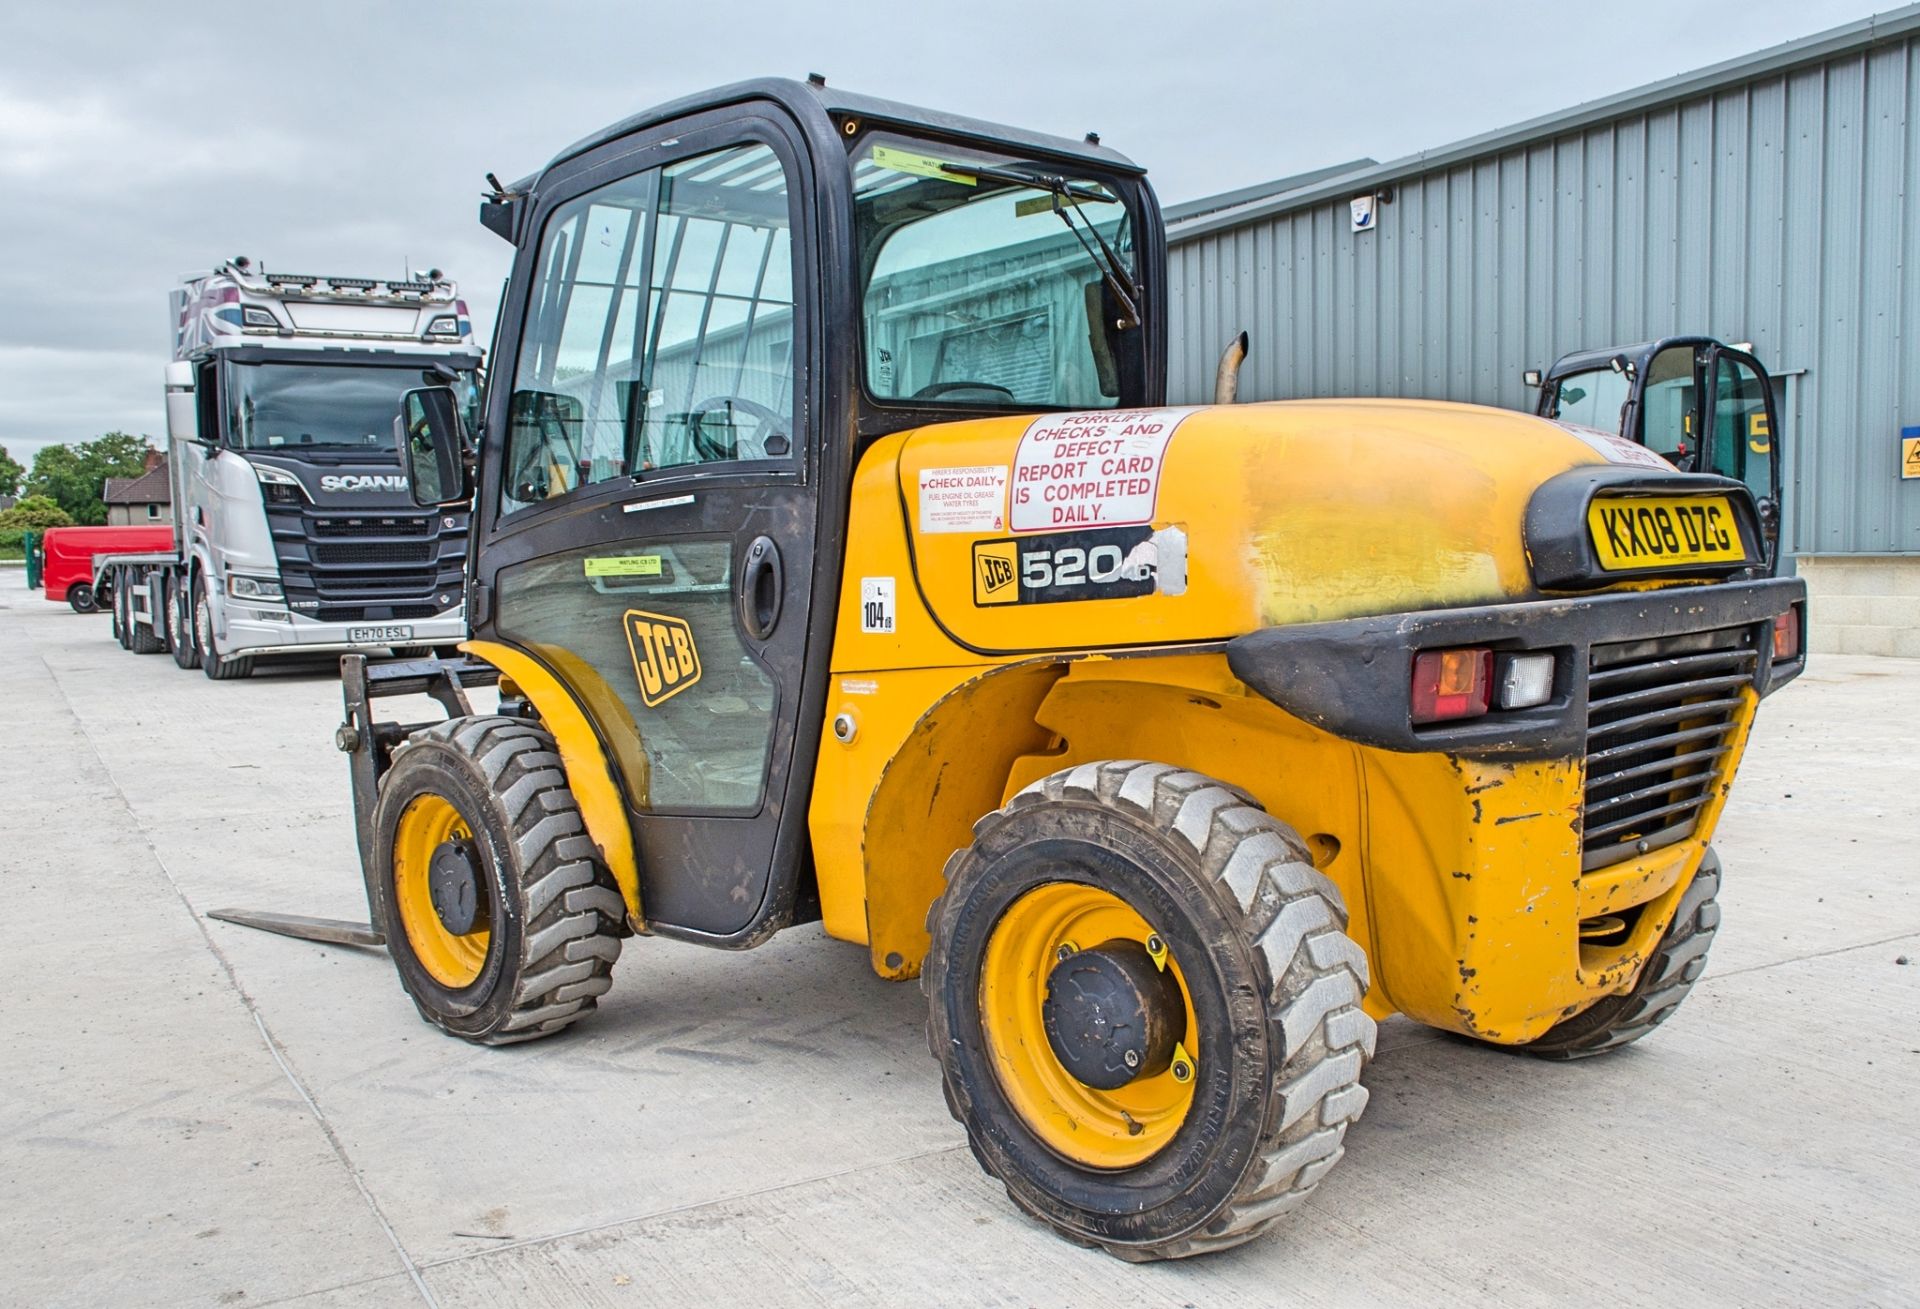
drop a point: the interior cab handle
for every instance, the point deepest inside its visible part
(762, 583)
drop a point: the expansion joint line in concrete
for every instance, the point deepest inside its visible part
(266, 1034)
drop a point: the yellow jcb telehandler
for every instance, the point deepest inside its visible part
(837, 557)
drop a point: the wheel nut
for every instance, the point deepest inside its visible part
(1154, 944)
(1181, 1072)
(1132, 1057)
(1066, 950)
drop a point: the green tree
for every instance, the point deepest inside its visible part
(10, 473)
(74, 476)
(33, 514)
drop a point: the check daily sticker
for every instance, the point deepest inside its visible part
(963, 499)
(1098, 469)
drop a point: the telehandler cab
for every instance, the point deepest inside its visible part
(837, 557)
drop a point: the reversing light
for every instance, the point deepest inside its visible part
(1786, 634)
(1451, 684)
(1525, 680)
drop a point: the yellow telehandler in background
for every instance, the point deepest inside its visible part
(837, 558)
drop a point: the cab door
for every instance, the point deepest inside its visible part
(1741, 434)
(648, 496)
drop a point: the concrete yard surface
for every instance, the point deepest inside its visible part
(192, 1113)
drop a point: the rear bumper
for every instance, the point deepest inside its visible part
(1352, 677)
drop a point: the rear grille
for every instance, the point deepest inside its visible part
(1658, 716)
(372, 552)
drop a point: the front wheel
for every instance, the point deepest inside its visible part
(1146, 1009)
(217, 667)
(1665, 980)
(80, 598)
(500, 918)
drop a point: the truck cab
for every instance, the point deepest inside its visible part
(294, 533)
(1702, 405)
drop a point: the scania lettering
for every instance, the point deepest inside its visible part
(293, 532)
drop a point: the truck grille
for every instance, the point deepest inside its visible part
(369, 567)
(1659, 713)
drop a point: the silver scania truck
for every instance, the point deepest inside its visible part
(293, 530)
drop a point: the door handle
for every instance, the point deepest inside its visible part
(762, 584)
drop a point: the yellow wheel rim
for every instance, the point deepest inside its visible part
(1100, 1129)
(453, 961)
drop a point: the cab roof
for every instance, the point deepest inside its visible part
(818, 102)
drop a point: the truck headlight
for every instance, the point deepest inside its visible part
(253, 588)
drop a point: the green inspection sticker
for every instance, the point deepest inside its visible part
(624, 566)
(902, 161)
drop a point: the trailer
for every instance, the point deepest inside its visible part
(292, 530)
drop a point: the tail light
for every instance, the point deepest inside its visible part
(1786, 634)
(1451, 684)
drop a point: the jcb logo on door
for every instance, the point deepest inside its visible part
(664, 657)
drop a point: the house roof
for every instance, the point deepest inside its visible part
(1879, 29)
(150, 488)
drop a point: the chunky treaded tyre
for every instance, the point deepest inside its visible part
(80, 598)
(217, 667)
(543, 917)
(1274, 1036)
(186, 652)
(1676, 964)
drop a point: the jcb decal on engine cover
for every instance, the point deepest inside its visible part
(1095, 469)
(664, 657)
(1102, 564)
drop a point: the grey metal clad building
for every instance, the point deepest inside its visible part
(1766, 200)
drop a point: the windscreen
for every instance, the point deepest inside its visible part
(292, 407)
(992, 281)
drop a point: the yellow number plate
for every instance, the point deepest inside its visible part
(1660, 531)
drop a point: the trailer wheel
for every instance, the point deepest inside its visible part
(217, 667)
(1666, 979)
(122, 623)
(501, 919)
(80, 598)
(186, 653)
(142, 638)
(1146, 1009)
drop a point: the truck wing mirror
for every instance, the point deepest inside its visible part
(432, 441)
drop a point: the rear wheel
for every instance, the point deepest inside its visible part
(1146, 1009)
(122, 624)
(1666, 980)
(180, 624)
(80, 597)
(142, 638)
(216, 666)
(500, 918)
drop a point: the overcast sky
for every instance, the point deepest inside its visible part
(142, 140)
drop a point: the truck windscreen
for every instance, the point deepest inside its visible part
(335, 407)
(992, 281)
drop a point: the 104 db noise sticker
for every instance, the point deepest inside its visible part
(1099, 469)
(1102, 564)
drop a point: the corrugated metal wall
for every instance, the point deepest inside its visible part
(1774, 211)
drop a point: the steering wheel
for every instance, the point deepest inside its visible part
(709, 449)
(934, 390)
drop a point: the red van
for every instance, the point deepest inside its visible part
(69, 554)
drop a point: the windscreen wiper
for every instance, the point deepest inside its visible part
(1118, 280)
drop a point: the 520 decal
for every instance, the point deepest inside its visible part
(1102, 564)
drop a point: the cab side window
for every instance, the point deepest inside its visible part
(1591, 399)
(1667, 406)
(660, 332)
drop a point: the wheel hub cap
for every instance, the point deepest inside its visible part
(1112, 1015)
(453, 884)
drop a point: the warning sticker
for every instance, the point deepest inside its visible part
(876, 604)
(1910, 452)
(963, 499)
(1098, 469)
(1617, 449)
